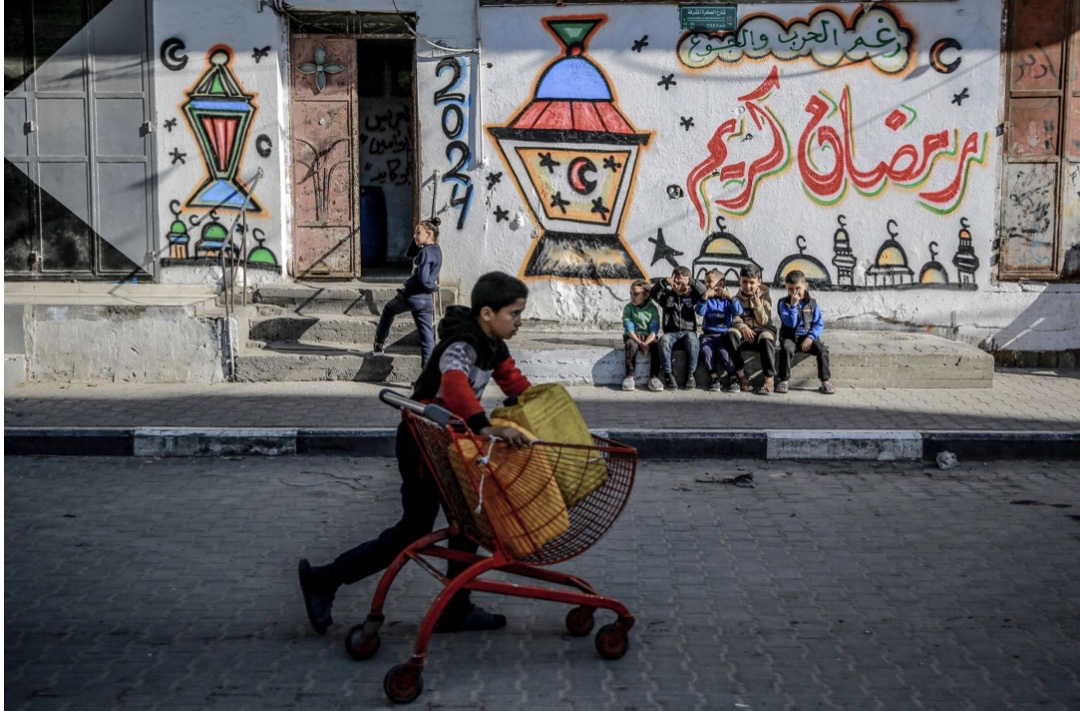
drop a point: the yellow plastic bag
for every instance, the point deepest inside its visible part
(523, 504)
(548, 411)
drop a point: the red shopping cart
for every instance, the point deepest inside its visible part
(528, 508)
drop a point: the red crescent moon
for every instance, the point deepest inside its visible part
(575, 173)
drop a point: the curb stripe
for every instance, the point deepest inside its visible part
(864, 445)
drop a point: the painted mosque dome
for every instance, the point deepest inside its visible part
(724, 251)
(891, 264)
(816, 273)
(933, 272)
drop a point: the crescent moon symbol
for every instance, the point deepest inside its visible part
(938, 49)
(575, 173)
(170, 54)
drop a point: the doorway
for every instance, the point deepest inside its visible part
(353, 89)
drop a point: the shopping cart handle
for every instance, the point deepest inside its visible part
(439, 415)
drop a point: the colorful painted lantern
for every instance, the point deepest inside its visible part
(574, 155)
(219, 113)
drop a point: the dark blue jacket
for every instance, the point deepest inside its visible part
(802, 319)
(425, 275)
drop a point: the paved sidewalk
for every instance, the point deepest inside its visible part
(1033, 406)
(171, 584)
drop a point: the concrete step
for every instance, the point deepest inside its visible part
(293, 362)
(357, 332)
(349, 298)
(859, 359)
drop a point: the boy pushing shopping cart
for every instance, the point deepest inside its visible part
(528, 505)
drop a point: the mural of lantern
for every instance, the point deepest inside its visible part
(219, 114)
(178, 234)
(574, 156)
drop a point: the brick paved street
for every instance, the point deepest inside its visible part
(170, 584)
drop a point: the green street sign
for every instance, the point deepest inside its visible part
(713, 18)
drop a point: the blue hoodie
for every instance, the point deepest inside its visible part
(717, 313)
(796, 318)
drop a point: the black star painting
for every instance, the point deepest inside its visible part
(958, 99)
(177, 156)
(611, 164)
(667, 82)
(493, 179)
(170, 124)
(663, 251)
(260, 53)
(557, 201)
(501, 214)
(598, 207)
(640, 44)
(686, 123)
(546, 161)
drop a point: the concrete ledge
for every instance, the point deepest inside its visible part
(845, 444)
(213, 442)
(651, 444)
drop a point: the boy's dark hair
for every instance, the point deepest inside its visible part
(497, 290)
(681, 271)
(795, 276)
(752, 271)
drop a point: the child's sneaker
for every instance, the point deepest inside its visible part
(655, 385)
(628, 382)
(716, 386)
(378, 351)
(730, 384)
(669, 381)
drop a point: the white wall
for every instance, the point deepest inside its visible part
(487, 225)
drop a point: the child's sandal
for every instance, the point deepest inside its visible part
(766, 388)
(745, 385)
(781, 388)
(827, 389)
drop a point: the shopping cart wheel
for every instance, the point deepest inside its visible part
(611, 642)
(579, 621)
(403, 684)
(359, 648)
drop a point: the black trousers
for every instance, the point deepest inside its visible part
(420, 502)
(764, 345)
(788, 348)
(630, 353)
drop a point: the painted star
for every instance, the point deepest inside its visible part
(686, 123)
(641, 43)
(663, 251)
(493, 179)
(958, 99)
(667, 82)
(557, 201)
(177, 156)
(546, 161)
(598, 207)
(260, 53)
(611, 164)
(501, 214)
(170, 124)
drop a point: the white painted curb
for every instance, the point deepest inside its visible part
(844, 444)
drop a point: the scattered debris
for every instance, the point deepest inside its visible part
(946, 460)
(745, 481)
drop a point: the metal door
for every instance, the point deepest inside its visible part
(326, 234)
(1040, 220)
(77, 146)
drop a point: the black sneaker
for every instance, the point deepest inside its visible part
(669, 382)
(477, 619)
(731, 385)
(317, 601)
(378, 351)
(716, 386)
